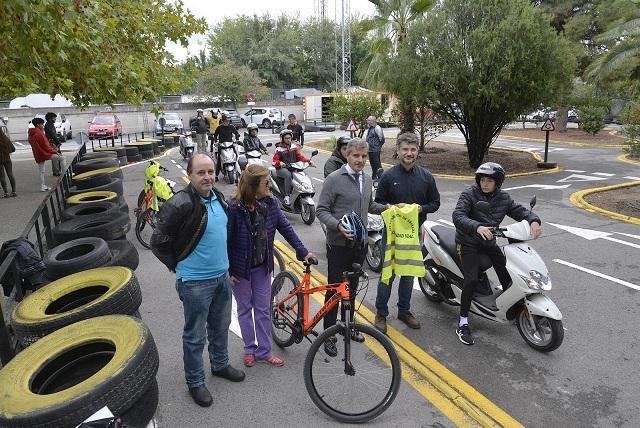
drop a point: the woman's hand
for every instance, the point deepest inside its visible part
(485, 232)
(308, 256)
(234, 280)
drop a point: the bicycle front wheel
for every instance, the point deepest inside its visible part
(145, 224)
(364, 390)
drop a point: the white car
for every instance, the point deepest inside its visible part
(62, 124)
(267, 117)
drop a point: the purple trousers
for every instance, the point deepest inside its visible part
(255, 294)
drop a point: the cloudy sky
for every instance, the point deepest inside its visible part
(217, 11)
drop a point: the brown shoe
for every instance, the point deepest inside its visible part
(381, 323)
(408, 318)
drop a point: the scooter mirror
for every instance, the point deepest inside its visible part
(313, 153)
(483, 207)
(533, 202)
(269, 145)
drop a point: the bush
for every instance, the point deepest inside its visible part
(631, 130)
(591, 119)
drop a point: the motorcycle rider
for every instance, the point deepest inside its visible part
(473, 234)
(338, 157)
(251, 140)
(287, 153)
(224, 133)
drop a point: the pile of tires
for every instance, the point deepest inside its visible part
(144, 148)
(119, 152)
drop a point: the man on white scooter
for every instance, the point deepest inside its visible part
(251, 141)
(473, 234)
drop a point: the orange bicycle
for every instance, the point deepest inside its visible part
(363, 380)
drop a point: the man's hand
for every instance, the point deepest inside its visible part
(345, 232)
(485, 232)
(536, 230)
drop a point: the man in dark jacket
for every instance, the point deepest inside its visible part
(473, 234)
(200, 124)
(52, 136)
(252, 141)
(375, 138)
(405, 183)
(225, 132)
(191, 240)
(338, 157)
(296, 128)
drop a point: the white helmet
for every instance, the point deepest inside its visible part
(252, 126)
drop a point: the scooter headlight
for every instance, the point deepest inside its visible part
(537, 281)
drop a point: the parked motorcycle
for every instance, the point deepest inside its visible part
(301, 198)
(187, 145)
(375, 226)
(229, 161)
(537, 317)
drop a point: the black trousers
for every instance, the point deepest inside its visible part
(339, 260)
(471, 271)
(374, 160)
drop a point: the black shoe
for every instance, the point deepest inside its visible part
(229, 373)
(464, 334)
(201, 395)
(330, 346)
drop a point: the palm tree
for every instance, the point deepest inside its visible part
(624, 51)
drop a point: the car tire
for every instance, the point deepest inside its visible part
(91, 197)
(92, 164)
(114, 185)
(105, 208)
(123, 253)
(99, 155)
(97, 226)
(97, 177)
(64, 378)
(143, 410)
(119, 151)
(75, 256)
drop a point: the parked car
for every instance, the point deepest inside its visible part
(62, 124)
(173, 124)
(104, 125)
(572, 116)
(540, 115)
(266, 117)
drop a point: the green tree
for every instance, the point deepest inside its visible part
(318, 49)
(484, 62)
(229, 83)
(631, 130)
(98, 51)
(623, 50)
(357, 106)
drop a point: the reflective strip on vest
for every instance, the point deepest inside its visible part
(403, 255)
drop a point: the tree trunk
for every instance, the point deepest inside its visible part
(407, 109)
(562, 117)
(480, 133)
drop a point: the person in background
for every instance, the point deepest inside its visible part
(225, 132)
(6, 148)
(52, 136)
(287, 153)
(252, 141)
(338, 157)
(214, 121)
(254, 218)
(42, 150)
(297, 129)
(200, 124)
(375, 138)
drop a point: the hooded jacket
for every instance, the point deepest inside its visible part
(334, 162)
(42, 150)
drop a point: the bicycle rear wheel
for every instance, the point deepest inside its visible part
(284, 317)
(366, 392)
(145, 224)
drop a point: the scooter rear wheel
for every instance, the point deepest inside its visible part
(547, 334)
(375, 256)
(426, 284)
(308, 213)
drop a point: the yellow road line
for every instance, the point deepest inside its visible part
(625, 158)
(577, 198)
(456, 399)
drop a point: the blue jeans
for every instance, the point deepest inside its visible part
(404, 295)
(207, 314)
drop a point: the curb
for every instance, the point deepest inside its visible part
(625, 158)
(472, 177)
(567, 143)
(577, 198)
(456, 399)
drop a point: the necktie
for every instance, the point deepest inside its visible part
(356, 176)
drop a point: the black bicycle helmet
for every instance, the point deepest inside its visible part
(354, 225)
(342, 141)
(493, 170)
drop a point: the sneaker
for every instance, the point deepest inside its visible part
(45, 188)
(408, 318)
(286, 200)
(6, 195)
(249, 360)
(274, 361)
(381, 323)
(464, 334)
(330, 346)
(14, 194)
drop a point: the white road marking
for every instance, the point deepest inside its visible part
(598, 274)
(578, 177)
(574, 170)
(604, 174)
(590, 235)
(172, 160)
(446, 222)
(540, 186)
(629, 235)
(632, 178)
(318, 179)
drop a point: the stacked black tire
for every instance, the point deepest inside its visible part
(85, 346)
(144, 149)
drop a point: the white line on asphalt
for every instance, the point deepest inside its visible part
(574, 170)
(446, 222)
(317, 179)
(598, 274)
(604, 174)
(184, 172)
(632, 178)
(629, 235)
(172, 160)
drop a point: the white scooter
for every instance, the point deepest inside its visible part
(229, 161)
(251, 157)
(301, 198)
(187, 146)
(538, 319)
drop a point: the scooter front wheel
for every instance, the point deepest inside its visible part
(375, 256)
(230, 177)
(308, 213)
(545, 336)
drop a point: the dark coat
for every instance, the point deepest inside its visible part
(239, 239)
(30, 265)
(334, 162)
(182, 221)
(467, 218)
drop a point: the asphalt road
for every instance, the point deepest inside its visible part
(591, 380)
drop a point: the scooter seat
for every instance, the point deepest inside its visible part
(447, 238)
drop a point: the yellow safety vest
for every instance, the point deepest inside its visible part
(161, 188)
(402, 255)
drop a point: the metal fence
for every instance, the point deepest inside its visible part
(38, 230)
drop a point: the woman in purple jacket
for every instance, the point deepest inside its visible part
(254, 216)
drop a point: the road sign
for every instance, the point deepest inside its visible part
(548, 126)
(352, 126)
(251, 103)
(251, 97)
